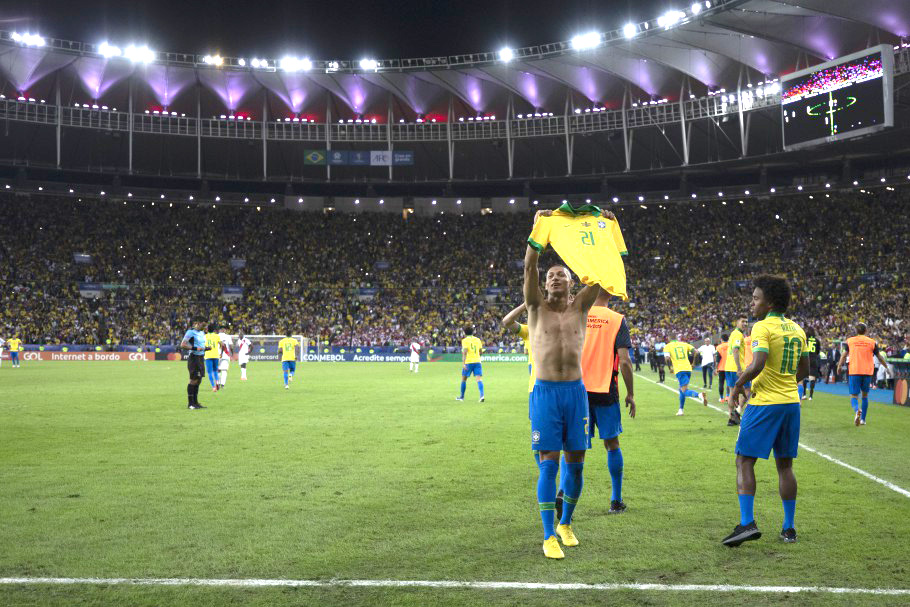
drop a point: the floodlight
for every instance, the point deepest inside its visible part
(583, 41)
(629, 30)
(139, 54)
(369, 64)
(506, 54)
(696, 8)
(109, 50)
(670, 18)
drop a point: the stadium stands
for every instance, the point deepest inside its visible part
(689, 267)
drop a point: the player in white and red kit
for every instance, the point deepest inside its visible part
(243, 354)
(226, 353)
(415, 356)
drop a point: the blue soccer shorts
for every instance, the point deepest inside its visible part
(559, 416)
(289, 365)
(472, 369)
(683, 378)
(766, 427)
(608, 419)
(732, 376)
(859, 383)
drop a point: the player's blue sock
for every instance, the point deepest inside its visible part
(854, 403)
(682, 399)
(480, 387)
(546, 495)
(563, 473)
(285, 377)
(746, 502)
(693, 393)
(464, 385)
(865, 408)
(801, 390)
(789, 513)
(574, 482)
(614, 465)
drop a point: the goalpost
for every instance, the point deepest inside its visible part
(260, 341)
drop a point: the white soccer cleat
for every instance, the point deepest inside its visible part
(286, 387)
(857, 418)
(678, 413)
(862, 422)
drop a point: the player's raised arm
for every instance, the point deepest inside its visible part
(510, 320)
(532, 293)
(587, 296)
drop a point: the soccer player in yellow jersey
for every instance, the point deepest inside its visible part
(288, 348)
(212, 355)
(471, 349)
(679, 353)
(771, 421)
(736, 362)
(15, 346)
(511, 324)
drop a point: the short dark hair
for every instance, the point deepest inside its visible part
(724, 336)
(861, 328)
(776, 290)
(810, 331)
(288, 333)
(469, 330)
(212, 327)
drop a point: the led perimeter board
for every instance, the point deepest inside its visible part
(843, 98)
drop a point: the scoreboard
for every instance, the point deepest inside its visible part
(843, 98)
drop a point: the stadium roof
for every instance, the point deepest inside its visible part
(721, 44)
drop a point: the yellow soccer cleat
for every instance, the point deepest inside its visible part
(551, 548)
(566, 535)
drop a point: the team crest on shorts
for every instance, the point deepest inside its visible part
(601, 224)
(535, 436)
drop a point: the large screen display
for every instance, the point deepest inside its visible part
(843, 98)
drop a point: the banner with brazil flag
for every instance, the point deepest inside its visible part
(314, 157)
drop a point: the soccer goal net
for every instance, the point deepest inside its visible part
(265, 346)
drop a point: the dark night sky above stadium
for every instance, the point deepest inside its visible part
(325, 29)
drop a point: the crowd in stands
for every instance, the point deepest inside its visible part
(385, 279)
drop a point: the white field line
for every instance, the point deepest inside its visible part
(255, 583)
(834, 460)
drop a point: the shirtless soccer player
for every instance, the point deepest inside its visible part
(559, 402)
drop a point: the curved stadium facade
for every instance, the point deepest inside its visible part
(684, 102)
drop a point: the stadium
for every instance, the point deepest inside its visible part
(357, 261)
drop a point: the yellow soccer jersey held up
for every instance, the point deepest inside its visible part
(473, 347)
(785, 343)
(213, 343)
(590, 244)
(737, 340)
(678, 352)
(287, 348)
(14, 344)
(525, 335)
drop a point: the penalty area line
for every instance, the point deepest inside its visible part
(834, 460)
(257, 583)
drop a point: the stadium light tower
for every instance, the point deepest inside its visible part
(369, 64)
(506, 54)
(629, 30)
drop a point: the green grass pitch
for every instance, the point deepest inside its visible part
(367, 471)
